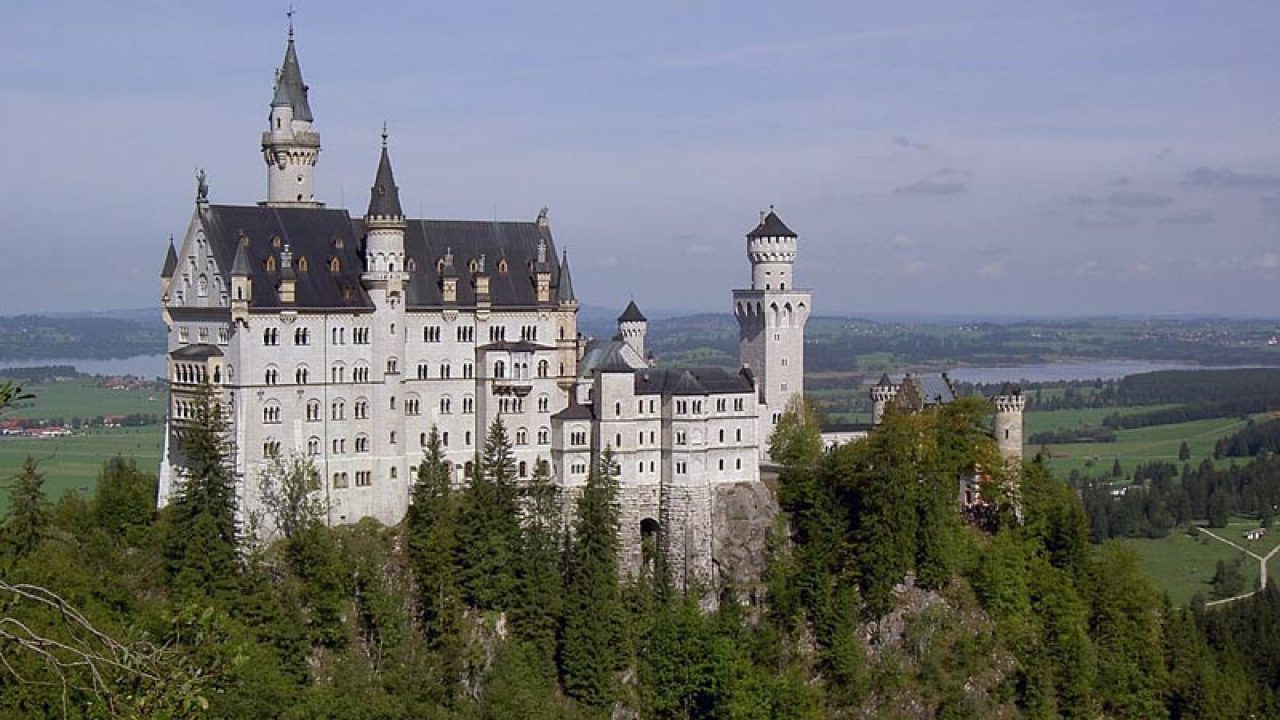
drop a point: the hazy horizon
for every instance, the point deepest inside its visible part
(986, 161)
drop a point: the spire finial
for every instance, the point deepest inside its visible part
(289, 14)
(384, 133)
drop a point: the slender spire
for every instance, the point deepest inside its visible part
(170, 261)
(240, 266)
(290, 89)
(564, 290)
(384, 196)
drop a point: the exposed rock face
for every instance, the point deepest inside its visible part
(742, 515)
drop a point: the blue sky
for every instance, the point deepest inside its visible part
(996, 158)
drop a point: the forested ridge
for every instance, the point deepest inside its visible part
(879, 600)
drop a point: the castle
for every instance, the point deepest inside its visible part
(347, 340)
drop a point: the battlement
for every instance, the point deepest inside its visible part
(1010, 403)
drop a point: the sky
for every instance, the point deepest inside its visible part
(980, 158)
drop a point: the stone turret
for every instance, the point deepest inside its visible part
(1010, 403)
(241, 285)
(632, 326)
(385, 227)
(290, 146)
(771, 316)
(882, 393)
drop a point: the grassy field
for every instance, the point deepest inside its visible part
(1183, 566)
(83, 398)
(72, 463)
(1141, 445)
(1037, 421)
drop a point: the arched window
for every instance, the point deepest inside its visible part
(499, 369)
(300, 375)
(543, 368)
(313, 446)
(522, 437)
(617, 409)
(313, 411)
(337, 410)
(445, 370)
(523, 469)
(362, 444)
(544, 436)
(544, 403)
(335, 265)
(468, 370)
(391, 366)
(446, 405)
(270, 263)
(271, 376)
(468, 405)
(422, 371)
(362, 409)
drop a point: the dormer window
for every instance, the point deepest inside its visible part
(473, 266)
(338, 243)
(440, 266)
(502, 265)
(410, 265)
(270, 263)
(335, 265)
(302, 264)
(276, 242)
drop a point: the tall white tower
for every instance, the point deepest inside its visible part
(771, 318)
(1010, 403)
(632, 326)
(290, 146)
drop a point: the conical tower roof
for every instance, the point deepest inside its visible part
(564, 291)
(632, 314)
(290, 89)
(384, 196)
(170, 261)
(771, 226)
(240, 266)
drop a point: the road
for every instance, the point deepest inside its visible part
(1262, 566)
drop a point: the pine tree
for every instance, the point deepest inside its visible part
(29, 514)
(539, 602)
(489, 525)
(1184, 452)
(431, 546)
(202, 547)
(590, 648)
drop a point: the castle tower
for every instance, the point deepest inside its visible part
(882, 393)
(241, 285)
(1010, 403)
(771, 318)
(632, 326)
(384, 277)
(290, 146)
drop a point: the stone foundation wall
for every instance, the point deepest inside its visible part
(743, 517)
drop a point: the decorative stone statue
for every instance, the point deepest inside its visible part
(202, 187)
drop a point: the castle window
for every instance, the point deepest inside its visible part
(271, 448)
(223, 336)
(544, 436)
(468, 405)
(444, 438)
(522, 437)
(446, 370)
(270, 263)
(737, 404)
(544, 403)
(391, 366)
(393, 437)
(271, 415)
(184, 334)
(722, 436)
(721, 465)
(392, 403)
(364, 478)
(301, 336)
(446, 405)
(681, 467)
(270, 336)
(300, 376)
(681, 438)
(431, 333)
(337, 410)
(271, 376)
(410, 265)
(338, 242)
(412, 406)
(335, 265)
(340, 480)
(302, 264)
(422, 371)
(466, 438)
(543, 368)
(617, 441)
(313, 446)
(362, 409)
(468, 469)
(362, 444)
(499, 369)
(523, 469)
(313, 411)
(502, 265)
(738, 434)
(393, 473)
(422, 439)
(617, 409)
(737, 464)
(202, 286)
(578, 437)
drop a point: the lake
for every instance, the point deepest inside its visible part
(143, 366)
(1051, 372)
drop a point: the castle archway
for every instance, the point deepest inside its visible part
(649, 529)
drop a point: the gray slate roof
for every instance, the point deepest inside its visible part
(322, 234)
(632, 314)
(771, 226)
(290, 90)
(564, 286)
(384, 196)
(609, 356)
(692, 381)
(170, 262)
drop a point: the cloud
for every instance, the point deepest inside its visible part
(1230, 179)
(903, 141)
(1270, 204)
(1138, 199)
(1080, 200)
(1105, 220)
(914, 268)
(931, 187)
(1269, 261)
(1121, 181)
(991, 270)
(1189, 217)
(1143, 268)
(698, 250)
(608, 263)
(904, 241)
